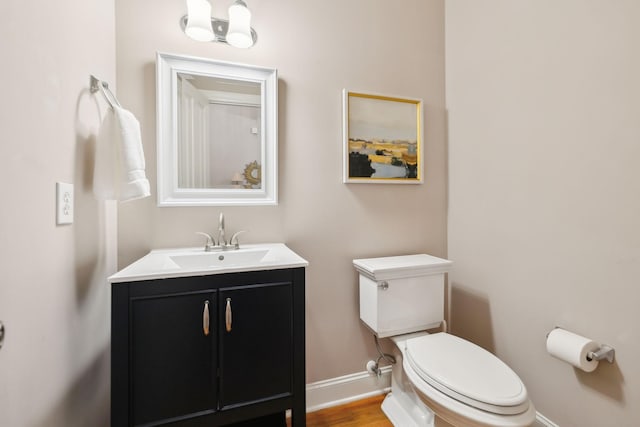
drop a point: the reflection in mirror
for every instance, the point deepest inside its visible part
(217, 135)
(219, 128)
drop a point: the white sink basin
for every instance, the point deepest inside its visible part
(166, 263)
(219, 259)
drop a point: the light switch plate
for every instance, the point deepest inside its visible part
(64, 203)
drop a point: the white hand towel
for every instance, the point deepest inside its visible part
(119, 163)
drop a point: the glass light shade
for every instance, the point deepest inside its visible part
(239, 33)
(199, 21)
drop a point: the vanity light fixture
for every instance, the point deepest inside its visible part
(199, 25)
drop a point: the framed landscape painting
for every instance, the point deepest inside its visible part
(382, 139)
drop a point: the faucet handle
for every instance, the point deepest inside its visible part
(235, 237)
(210, 241)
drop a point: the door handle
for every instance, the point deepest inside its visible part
(228, 316)
(205, 318)
(1, 334)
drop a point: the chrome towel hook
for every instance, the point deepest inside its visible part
(96, 84)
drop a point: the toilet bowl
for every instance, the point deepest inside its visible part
(436, 376)
(445, 376)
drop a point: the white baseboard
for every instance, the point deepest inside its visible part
(542, 421)
(346, 389)
(352, 387)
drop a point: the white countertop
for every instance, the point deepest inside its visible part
(184, 262)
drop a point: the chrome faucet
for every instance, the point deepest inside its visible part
(221, 241)
(222, 244)
(211, 244)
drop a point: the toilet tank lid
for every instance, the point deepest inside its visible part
(395, 267)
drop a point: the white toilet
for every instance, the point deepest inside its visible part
(436, 376)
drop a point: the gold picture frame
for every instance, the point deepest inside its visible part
(382, 139)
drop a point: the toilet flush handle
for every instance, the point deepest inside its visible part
(384, 285)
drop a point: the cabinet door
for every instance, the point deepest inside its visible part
(173, 356)
(256, 347)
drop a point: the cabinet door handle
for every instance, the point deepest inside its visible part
(1, 334)
(205, 318)
(227, 315)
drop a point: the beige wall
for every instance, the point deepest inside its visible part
(54, 302)
(543, 133)
(319, 48)
(544, 144)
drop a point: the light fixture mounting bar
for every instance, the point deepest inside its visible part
(220, 27)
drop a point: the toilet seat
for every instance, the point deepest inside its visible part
(467, 373)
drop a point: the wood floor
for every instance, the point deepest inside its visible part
(362, 413)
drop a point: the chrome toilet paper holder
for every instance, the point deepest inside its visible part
(604, 352)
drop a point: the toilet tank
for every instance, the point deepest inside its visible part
(402, 294)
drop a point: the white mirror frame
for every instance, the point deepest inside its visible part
(169, 194)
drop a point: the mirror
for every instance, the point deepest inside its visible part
(217, 132)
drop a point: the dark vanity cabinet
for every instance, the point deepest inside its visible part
(212, 350)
